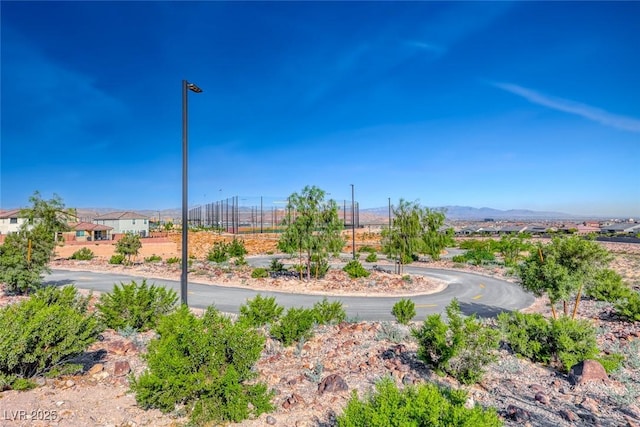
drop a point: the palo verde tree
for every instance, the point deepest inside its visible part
(402, 240)
(415, 230)
(434, 237)
(25, 255)
(313, 228)
(562, 268)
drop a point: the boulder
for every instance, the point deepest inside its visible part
(587, 371)
(332, 383)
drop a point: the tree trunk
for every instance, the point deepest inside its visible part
(577, 303)
(553, 309)
(565, 308)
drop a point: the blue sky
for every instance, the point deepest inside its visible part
(532, 105)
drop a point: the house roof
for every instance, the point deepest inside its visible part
(121, 215)
(88, 226)
(11, 213)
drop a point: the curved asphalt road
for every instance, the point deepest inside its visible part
(478, 294)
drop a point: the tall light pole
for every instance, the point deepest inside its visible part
(353, 222)
(186, 87)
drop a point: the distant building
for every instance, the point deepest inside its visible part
(11, 221)
(621, 228)
(125, 222)
(88, 231)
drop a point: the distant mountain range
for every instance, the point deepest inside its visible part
(379, 215)
(478, 214)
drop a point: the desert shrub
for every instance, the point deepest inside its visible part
(404, 310)
(607, 286)
(367, 249)
(218, 252)
(629, 307)
(205, 365)
(459, 259)
(561, 342)
(116, 259)
(476, 256)
(326, 312)
(84, 254)
(259, 273)
(153, 258)
(319, 268)
(295, 325)
(173, 260)
(240, 261)
(421, 405)
(137, 306)
(236, 248)
(391, 332)
(372, 257)
(45, 331)
(128, 246)
(463, 347)
(260, 310)
(276, 266)
(355, 270)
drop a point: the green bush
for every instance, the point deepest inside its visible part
(19, 272)
(205, 366)
(128, 246)
(173, 260)
(319, 268)
(372, 257)
(295, 325)
(355, 270)
(276, 266)
(421, 405)
(462, 348)
(84, 254)
(259, 273)
(137, 306)
(260, 310)
(218, 252)
(153, 258)
(45, 331)
(561, 342)
(607, 286)
(404, 311)
(116, 259)
(326, 312)
(236, 248)
(629, 307)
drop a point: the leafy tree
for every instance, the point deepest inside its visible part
(415, 230)
(511, 246)
(312, 228)
(562, 268)
(402, 240)
(128, 246)
(25, 255)
(433, 237)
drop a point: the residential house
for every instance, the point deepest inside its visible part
(87, 232)
(621, 228)
(125, 222)
(512, 229)
(11, 221)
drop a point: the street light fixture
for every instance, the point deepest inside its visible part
(353, 223)
(186, 87)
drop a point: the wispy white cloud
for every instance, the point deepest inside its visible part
(592, 113)
(430, 47)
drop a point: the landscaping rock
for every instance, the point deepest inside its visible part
(587, 371)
